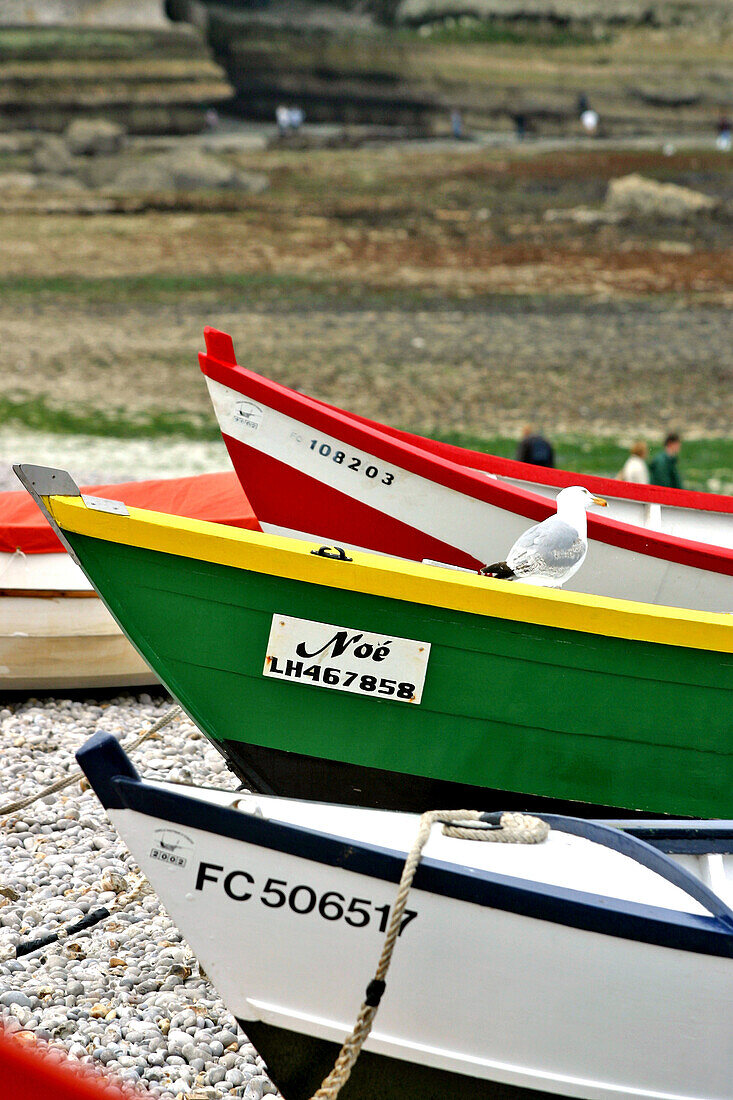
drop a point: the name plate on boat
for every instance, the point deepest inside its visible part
(345, 659)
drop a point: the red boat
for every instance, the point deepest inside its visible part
(308, 467)
(29, 1070)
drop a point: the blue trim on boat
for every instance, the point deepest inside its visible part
(680, 837)
(573, 908)
(629, 845)
(103, 759)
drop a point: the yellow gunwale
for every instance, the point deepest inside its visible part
(395, 578)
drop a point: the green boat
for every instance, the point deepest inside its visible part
(352, 677)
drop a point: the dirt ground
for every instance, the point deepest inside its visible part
(573, 365)
(425, 289)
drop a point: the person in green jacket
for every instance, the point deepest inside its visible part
(663, 467)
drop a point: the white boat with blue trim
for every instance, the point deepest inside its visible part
(595, 964)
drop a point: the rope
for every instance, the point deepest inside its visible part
(514, 829)
(124, 898)
(59, 785)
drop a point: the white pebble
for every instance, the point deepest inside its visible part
(64, 859)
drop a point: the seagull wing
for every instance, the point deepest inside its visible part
(550, 548)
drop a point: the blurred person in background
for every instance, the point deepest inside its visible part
(282, 118)
(587, 115)
(663, 467)
(635, 467)
(535, 448)
(456, 124)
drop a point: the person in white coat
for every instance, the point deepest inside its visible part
(635, 468)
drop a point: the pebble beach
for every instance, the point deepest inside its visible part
(127, 994)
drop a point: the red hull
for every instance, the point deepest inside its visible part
(30, 1071)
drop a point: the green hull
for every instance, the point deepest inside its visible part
(508, 705)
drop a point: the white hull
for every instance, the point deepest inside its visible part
(715, 528)
(55, 633)
(481, 988)
(45, 572)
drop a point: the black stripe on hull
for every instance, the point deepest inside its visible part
(298, 1063)
(293, 775)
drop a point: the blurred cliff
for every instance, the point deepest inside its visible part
(121, 61)
(652, 66)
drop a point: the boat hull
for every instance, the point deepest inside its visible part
(31, 1069)
(64, 640)
(301, 1062)
(493, 989)
(520, 706)
(275, 771)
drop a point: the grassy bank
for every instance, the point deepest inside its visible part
(220, 287)
(707, 464)
(34, 413)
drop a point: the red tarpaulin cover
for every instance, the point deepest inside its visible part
(28, 1071)
(215, 497)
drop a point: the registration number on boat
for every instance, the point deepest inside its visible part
(300, 898)
(350, 461)
(345, 659)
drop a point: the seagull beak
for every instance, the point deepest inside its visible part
(599, 500)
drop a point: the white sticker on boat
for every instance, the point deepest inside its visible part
(248, 414)
(346, 659)
(171, 847)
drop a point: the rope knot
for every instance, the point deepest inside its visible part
(374, 993)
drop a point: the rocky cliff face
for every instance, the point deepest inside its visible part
(110, 13)
(647, 66)
(596, 15)
(148, 80)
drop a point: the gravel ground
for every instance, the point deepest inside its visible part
(127, 994)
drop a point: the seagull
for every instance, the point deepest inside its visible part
(551, 552)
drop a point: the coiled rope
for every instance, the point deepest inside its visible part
(515, 828)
